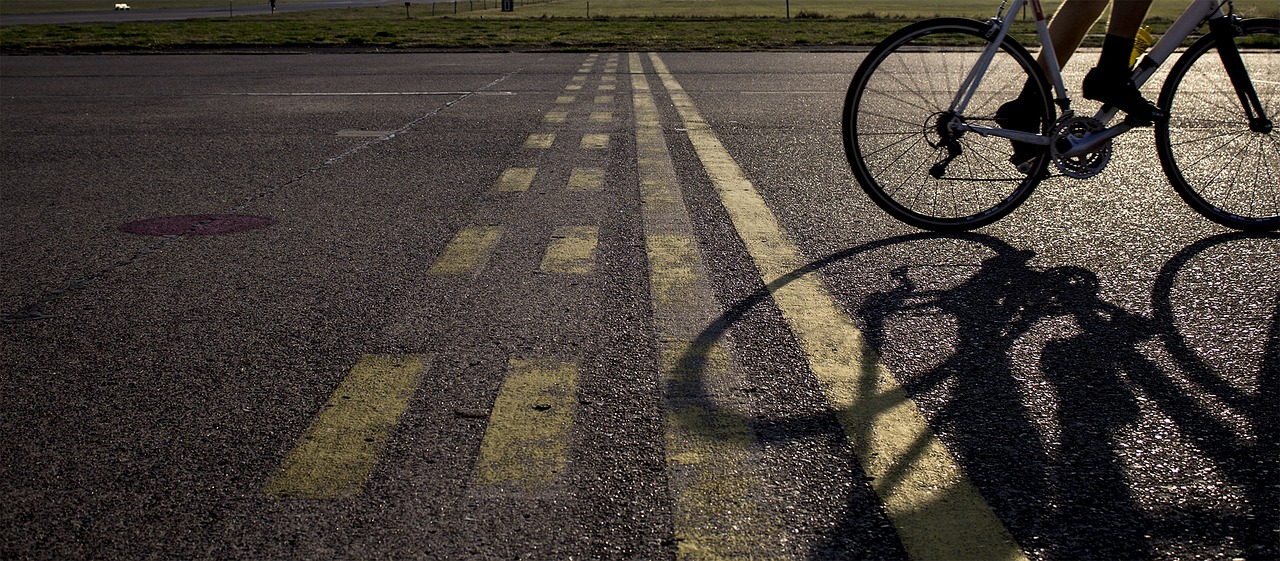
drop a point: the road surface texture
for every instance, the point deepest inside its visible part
(593, 306)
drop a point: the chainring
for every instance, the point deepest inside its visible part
(1079, 166)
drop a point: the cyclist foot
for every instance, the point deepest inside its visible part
(1020, 115)
(1118, 90)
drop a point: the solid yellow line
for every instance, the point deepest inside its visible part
(340, 449)
(467, 251)
(937, 511)
(572, 250)
(526, 442)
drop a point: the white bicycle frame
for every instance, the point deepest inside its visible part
(1196, 13)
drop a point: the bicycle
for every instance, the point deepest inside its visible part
(920, 133)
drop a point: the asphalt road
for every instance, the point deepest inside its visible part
(572, 306)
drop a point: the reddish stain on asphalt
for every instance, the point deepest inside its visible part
(196, 225)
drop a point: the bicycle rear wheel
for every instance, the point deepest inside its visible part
(897, 140)
(1222, 167)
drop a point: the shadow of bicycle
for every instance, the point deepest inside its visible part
(1092, 431)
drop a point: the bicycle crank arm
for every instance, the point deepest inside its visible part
(1090, 142)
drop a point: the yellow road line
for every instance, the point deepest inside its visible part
(594, 141)
(572, 250)
(602, 117)
(540, 140)
(340, 449)
(566, 99)
(555, 117)
(711, 453)
(937, 511)
(516, 180)
(526, 442)
(586, 179)
(603, 99)
(467, 251)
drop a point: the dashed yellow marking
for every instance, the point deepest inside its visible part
(516, 180)
(527, 440)
(595, 141)
(467, 251)
(603, 99)
(608, 78)
(579, 78)
(602, 117)
(555, 117)
(572, 250)
(565, 99)
(340, 449)
(937, 511)
(586, 179)
(606, 87)
(573, 87)
(540, 141)
(711, 453)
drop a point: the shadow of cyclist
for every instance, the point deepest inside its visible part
(1043, 385)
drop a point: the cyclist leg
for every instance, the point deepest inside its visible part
(1067, 30)
(1109, 81)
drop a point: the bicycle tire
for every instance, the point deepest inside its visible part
(900, 90)
(1240, 188)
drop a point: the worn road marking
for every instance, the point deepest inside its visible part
(516, 180)
(586, 179)
(593, 141)
(604, 99)
(540, 140)
(565, 99)
(467, 251)
(602, 117)
(340, 449)
(572, 250)
(555, 117)
(711, 453)
(937, 511)
(527, 440)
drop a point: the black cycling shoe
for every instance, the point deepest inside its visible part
(1021, 115)
(1118, 90)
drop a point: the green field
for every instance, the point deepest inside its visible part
(541, 24)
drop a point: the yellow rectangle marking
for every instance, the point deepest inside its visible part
(540, 140)
(936, 510)
(608, 78)
(579, 78)
(606, 87)
(516, 180)
(603, 99)
(555, 117)
(565, 99)
(594, 141)
(340, 449)
(573, 87)
(527, 440)
(586, 179)
(467, 251)
(572, 250)
(602, 117)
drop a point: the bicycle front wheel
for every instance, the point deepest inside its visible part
(1223, 166)
(899, 132)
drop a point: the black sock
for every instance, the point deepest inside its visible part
(1116, 52)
